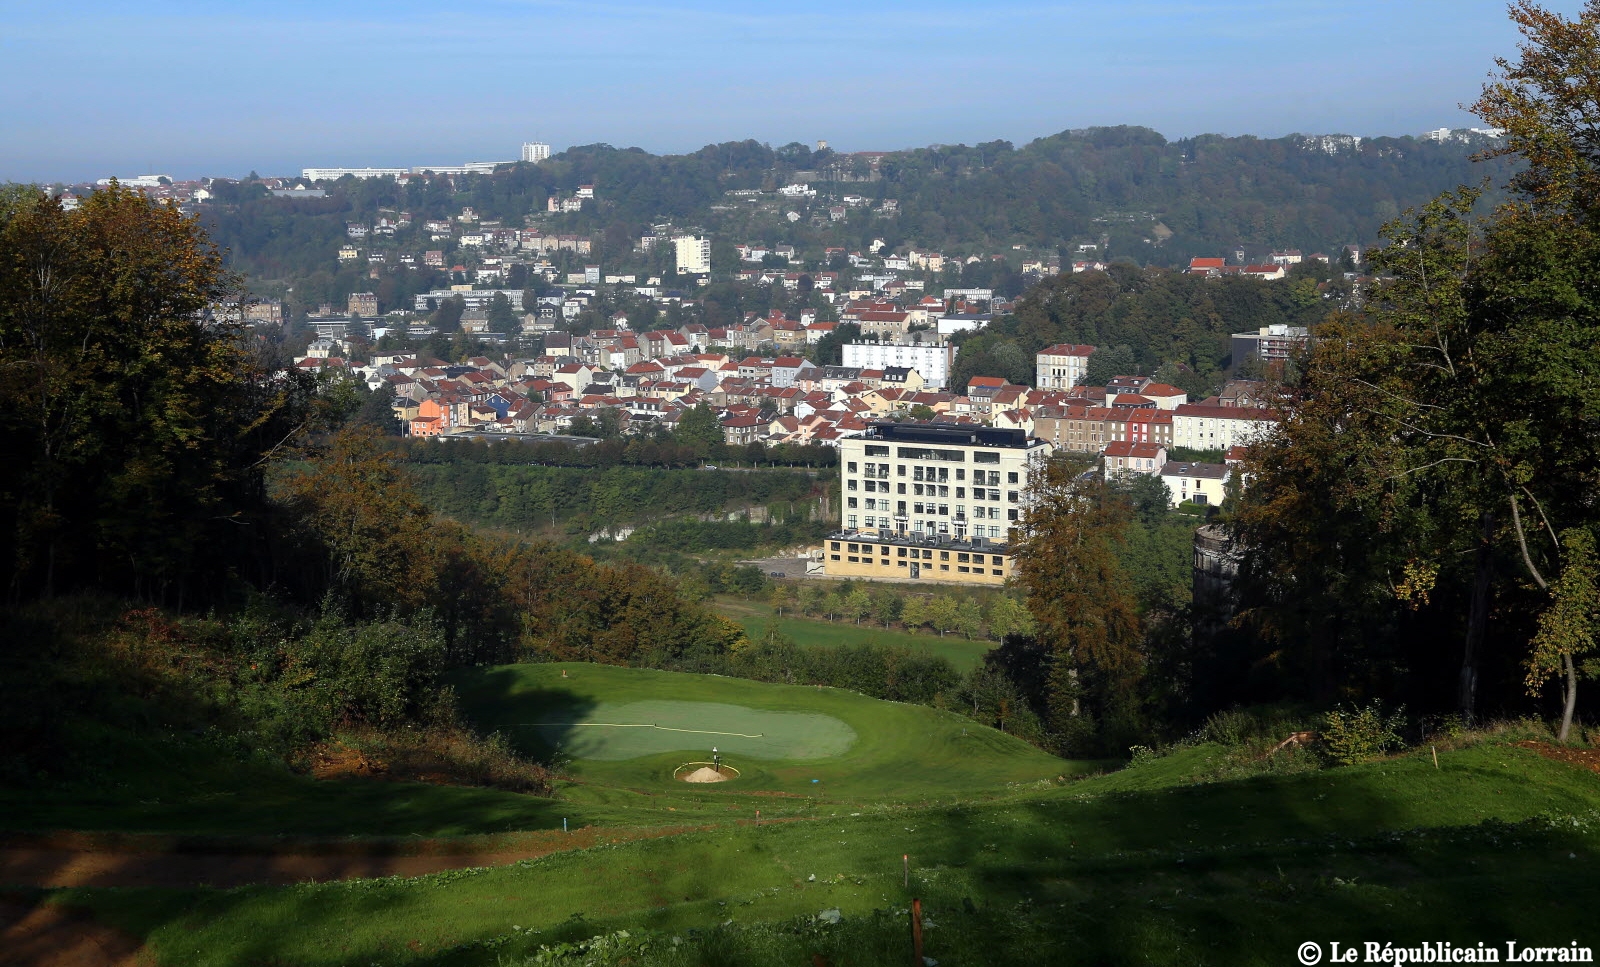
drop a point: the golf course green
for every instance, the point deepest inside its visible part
(631, 728)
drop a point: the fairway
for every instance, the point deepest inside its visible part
(636, 729)
(618, 727)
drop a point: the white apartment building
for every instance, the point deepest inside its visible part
(932, 362)
(1061, 366)
(1202, 426)
(694, 254)
(1202, 483)
(535, 151)
(936, 502)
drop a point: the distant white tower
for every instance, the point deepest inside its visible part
(694, 254)
(535, 151)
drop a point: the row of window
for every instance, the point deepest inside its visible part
(880, 471)
(920, 508)
(920, 528)
(924, 553)
(928, 490)
(960, 568)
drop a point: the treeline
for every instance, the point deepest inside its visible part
(690, 536)
(665, 451)
(1212, 192)
(533, 498)
(1151, 321)
(966, 613)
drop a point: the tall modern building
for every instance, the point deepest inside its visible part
(931, 502)
(535, 151)
(694, 254)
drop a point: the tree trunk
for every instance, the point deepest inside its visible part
(1477, 620)
(1572, 697)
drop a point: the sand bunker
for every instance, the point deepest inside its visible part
(704, 774)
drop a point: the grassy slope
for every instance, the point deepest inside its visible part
(1137, 867)
(901, 751)
(964, 653)
(182, 786)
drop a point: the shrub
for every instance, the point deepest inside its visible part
(1230, 727)
(1361, 734)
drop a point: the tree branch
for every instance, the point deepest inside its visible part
(1522, 541)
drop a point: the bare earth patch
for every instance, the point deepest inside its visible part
(1582, 758)
(153, 862)
(46, 935)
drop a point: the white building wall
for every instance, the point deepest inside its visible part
(932, 363)
(694, 254)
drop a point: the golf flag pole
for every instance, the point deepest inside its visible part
(905, 859)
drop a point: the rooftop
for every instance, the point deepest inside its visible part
(947, 435)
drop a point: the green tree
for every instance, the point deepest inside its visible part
(914, 614)
(502, 318)
(857, 605)
(1565, 643)
(1081, 597)
(447, 317)
(698, 427)
(969, 619)
(943, 614)
(887, 605)
(1008, 616)
(138, 428)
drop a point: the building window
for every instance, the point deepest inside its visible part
(851, 467)
(850, 522)
(884, 550)
(835, 557)
(850, 502)
(998, 573)
(996, 559)
(944, 556)
(1010, 477)
(835, 545)
(963, 570)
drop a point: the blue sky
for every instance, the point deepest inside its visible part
(190, 88)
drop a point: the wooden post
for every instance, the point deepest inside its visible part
(1435, 755)
(916, 933)
(758, 817)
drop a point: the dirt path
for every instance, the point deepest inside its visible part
(43, 935)
(130, 861)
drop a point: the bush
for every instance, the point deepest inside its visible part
(1230, 727)
(1362, 734)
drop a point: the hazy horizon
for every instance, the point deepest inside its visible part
(190, 91)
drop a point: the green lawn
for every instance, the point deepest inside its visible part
(855, 748)
(1498, 844)
(756, 618)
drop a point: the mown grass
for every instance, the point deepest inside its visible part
(901, 752)
(1497, 844)
(757, 619)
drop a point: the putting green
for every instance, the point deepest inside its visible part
(633, 730)
(618, 725)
